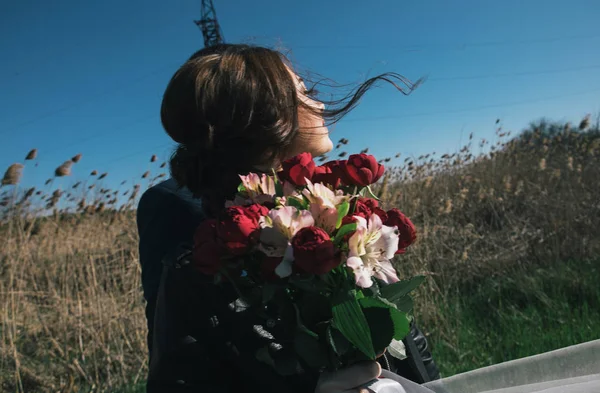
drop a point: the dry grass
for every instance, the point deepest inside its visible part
(71, 304)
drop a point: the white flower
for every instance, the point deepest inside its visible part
(323, 204)
(261, 188)
(371, 248)
(280, 226)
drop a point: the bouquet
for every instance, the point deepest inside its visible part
(314, 242)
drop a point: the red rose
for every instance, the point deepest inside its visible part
(297, 169)
(381, 213)
(257, 211)
(365, 207)
(331, 173)
(314, 252)
(206, 252)
(238, 227)
(408, 232)
(325, 175)
(362, 170)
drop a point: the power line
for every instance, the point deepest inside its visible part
(455, 46)
(138, 153)
(147, 117)
(85, 101)
(464, 110)
(474, 109)
(525, 73)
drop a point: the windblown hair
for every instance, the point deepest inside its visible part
(233, 109)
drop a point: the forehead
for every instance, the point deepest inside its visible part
(298, 81)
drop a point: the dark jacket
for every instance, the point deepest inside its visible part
(201, 337)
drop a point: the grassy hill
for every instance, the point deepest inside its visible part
(509, 239)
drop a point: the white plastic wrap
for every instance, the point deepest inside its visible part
(574, 369)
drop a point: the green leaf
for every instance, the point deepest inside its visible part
(404, 304)
(241, 188)
(373, 290)
(278, 185)
(337, 341)
(343, 231)
(342, 210)
(310, 350)
(399, 320)
(297, 203)
(349, 319)
(397, 290)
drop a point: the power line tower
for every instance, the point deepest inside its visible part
(211, 31)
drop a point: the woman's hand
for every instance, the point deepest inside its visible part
(349, 379)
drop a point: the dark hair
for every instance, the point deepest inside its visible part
(233, 108)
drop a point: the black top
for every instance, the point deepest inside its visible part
(201, 337)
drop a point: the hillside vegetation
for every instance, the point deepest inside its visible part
(509, 240)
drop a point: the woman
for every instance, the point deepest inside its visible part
(233, 109)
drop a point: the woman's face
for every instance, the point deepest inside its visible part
(313, 135)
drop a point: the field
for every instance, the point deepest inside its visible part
(508, 238)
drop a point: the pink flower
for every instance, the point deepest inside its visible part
(370, 249)
(279, 226)
(260, 188)
(323, 204)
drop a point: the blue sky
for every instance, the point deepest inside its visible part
(87, 77)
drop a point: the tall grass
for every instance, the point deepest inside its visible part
(508, 239)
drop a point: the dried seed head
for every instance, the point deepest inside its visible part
(76, 158)
(13, 174)
(153, 158)
(465, 255)
(570, 163)
(556, 173)
(64, 169)
(364, 151)
(585, 123)
(163, 164)
(448, 207)
(507, 183)
(146, 174)
(94, 173)
(428, 181)
(29, 192)
(519, 188)
(32, 154)
(102, 176)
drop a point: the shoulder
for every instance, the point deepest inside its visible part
(169, 197)
(166, 211)
(168, 192)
